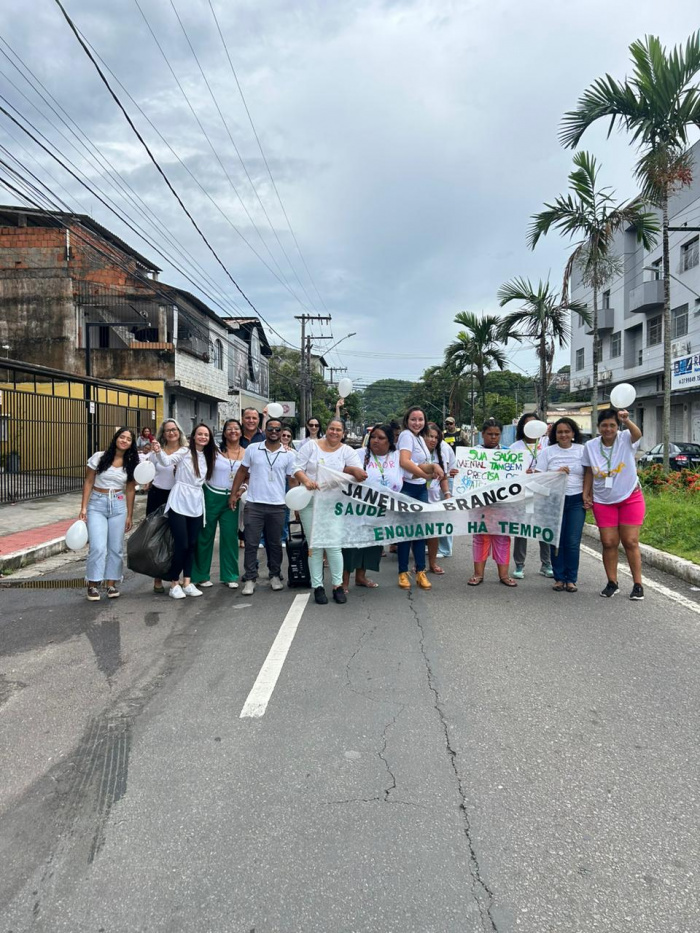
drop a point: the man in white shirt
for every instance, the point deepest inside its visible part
(263, 472)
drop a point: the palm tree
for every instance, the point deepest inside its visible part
(658, 105)
(476, 349)
(590, 212)
(544, 320)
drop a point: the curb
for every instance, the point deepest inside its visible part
(31, 555)
(677, 566)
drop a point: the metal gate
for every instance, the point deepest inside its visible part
(51, 422)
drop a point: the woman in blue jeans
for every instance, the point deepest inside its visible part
(564, 454)
(108, 508)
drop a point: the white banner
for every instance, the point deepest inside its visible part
(349, 514)
(478, 467)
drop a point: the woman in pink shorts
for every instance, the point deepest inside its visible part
(611, 488)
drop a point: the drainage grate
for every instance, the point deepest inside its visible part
(74, 584)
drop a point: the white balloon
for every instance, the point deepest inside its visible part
(244, 497)
(77, 536)
(298, 498)
(623, 395)
(535, 429)
(345, 388)
(144, 472)
(275, 410)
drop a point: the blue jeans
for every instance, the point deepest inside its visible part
(106, 518)
(415, 491)
(565, 558)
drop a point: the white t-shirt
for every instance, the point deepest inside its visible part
(553, 457)
(418, 451)
(532, 449)
(186, 496)
(223, 472)
(448, 460)
(112, 478)
(309, 457)
(165, 474)
(614, 463)
(268, 470)
(385, 471)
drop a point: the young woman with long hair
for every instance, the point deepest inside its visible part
(532, 450)
(171, 438)
(185, 508)
(217, 511)
(108, 508)
(442, 454)
(415, 461)
(611, 488)
(498, 545)
(564, 454)
(314, 432)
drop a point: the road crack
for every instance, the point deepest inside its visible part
(481, 892)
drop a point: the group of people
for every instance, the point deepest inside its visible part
(239, 488)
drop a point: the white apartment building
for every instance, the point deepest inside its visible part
(630, 324)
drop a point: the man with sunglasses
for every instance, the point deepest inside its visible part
(263, 472)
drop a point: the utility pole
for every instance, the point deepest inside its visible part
(335, 369)
(305, 381)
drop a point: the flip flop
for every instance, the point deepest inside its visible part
(436, 569)
(370, 584)
(475, 581)
(506, 581)
(571, 588)
(559, 587)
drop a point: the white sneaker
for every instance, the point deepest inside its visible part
(248, 588)
(276, 583)
(177, 592)
(191, 590)
(232, 585)
(204, 584)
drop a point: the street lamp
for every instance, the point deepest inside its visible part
(353, 334)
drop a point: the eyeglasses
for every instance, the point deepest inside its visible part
(311, 425)
(171, 431)
(273, 430)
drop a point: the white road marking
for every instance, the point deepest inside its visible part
(259, 696)
(652, 584)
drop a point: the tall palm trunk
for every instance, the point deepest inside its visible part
(667, 329)
(594, 389)
(543, 375)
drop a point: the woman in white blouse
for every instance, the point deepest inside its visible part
(532, 450)
(331, 452)
(108, 507)
(171, 439)
(217, 511)
(185, 508)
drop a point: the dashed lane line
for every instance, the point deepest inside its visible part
(652, 585)
(260, 695)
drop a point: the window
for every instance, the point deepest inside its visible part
(606, 299)
(656, 273)
(679, 322)
(219, 354)
(599, 350)
(640, 357)
(690, 255)
(580, 358)
(654, 331)
(616, 344)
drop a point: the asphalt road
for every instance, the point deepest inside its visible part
(468, 760)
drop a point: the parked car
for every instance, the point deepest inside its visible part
(682, 456)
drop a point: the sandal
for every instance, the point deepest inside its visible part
(370, 584)
(507, 581)
(559, 587)
(435, 569)
(475, 581)
(571, 588)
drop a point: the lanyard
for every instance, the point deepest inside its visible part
(608, 459)
(271, 463)
(379, 466)
(533, 451)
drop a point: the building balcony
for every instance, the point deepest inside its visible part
(606, 321)
(649, 296)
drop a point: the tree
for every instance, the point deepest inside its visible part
(658, 104)
(591, 213)
(476, 349)
(385, 399)
(544, 320)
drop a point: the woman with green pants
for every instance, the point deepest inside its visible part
(218, 512)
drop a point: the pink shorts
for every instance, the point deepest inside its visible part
(628, 512)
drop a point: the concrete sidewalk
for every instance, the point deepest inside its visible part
(33, 530)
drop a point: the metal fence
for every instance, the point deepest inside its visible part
(51, 422)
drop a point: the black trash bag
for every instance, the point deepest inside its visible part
(150, 548)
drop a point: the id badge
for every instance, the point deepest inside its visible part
(384, 481)
(608, 482)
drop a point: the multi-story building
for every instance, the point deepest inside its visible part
(75, 297)
(630, 324)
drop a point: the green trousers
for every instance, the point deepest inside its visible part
(217, 511)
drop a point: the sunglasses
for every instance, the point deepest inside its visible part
(274, 430)
(314, 425)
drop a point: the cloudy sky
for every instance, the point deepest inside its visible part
(410, 143)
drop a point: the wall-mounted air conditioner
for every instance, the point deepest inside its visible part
(605, 375)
